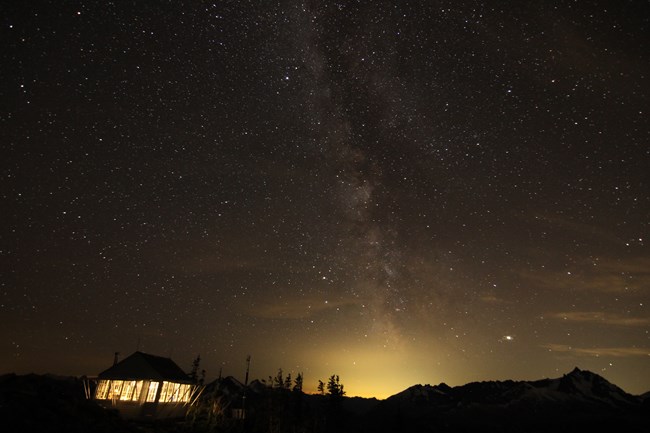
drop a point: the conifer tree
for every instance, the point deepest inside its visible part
(335, 387)
(194, 373)
(278, 381)
(298, 383)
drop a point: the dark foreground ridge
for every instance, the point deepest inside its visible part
(578, 401)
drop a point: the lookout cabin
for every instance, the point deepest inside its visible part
(144, 386)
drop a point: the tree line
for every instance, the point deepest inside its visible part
(276, 404)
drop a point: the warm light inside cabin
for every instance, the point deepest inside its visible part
(151, 394)
(175, 392)
(130, 390)
(127, 390)
(102, 389)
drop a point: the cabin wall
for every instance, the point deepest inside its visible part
(171, 410)
(144, 399)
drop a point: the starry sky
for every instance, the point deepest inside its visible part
(394, 192)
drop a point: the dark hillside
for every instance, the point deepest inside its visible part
(578, 401)
(35, 403)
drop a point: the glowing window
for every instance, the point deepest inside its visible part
(115, 389)
(102, 389)
(131, 390)
(175, 392)
(127, 390)
(151, 392)
(185, 392)
(167, 393)
(138, 390)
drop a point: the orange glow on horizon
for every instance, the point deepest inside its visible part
(368, 372)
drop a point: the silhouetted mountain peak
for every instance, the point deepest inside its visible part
(577, 401)
(424, 394)
(578, 374)
(593, 387)
(580, 387)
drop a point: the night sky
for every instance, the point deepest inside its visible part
(394, 192)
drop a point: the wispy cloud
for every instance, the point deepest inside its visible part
(492, 299)
(600, 275)
(632, 266)
(579, 228)
(617, 352)
(601, 318)
(299, 308)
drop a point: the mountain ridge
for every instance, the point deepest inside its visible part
(578, 401)
(577, 385)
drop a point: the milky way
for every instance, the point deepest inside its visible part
(394, 192)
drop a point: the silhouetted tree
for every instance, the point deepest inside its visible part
(194, 373)
(297, 401)
(333, 419)
(335, 387)
(298, 383)
(278, 380)
(287, 381)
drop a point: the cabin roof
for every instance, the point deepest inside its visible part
(141, 365)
